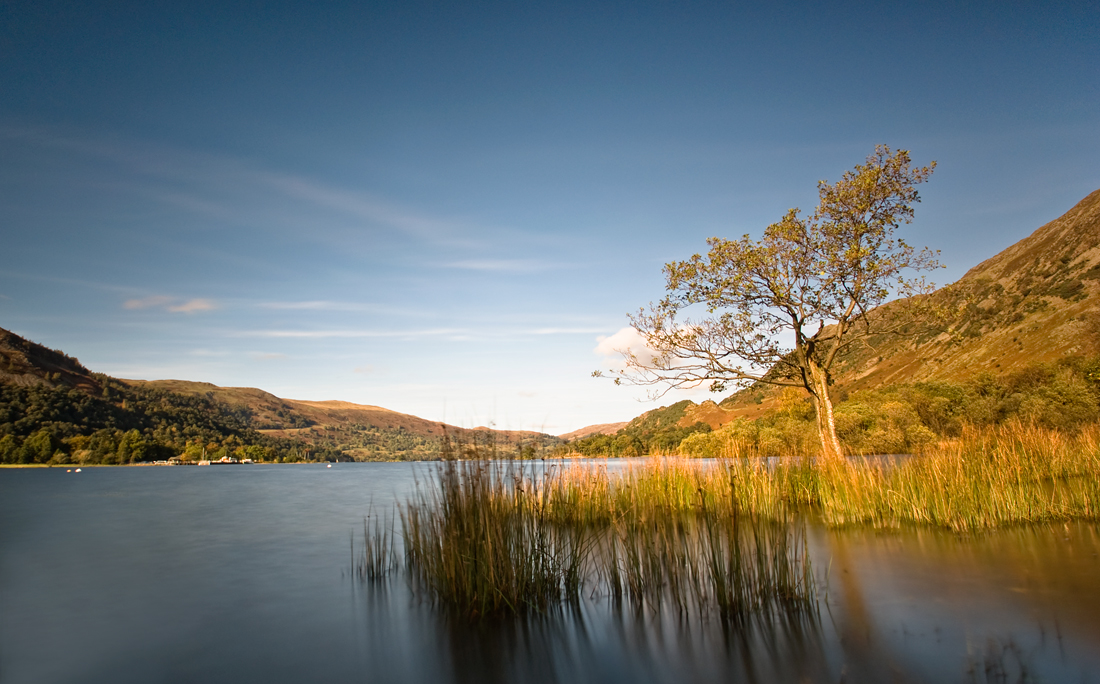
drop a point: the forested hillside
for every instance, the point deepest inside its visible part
(54, 410)
(52, 422)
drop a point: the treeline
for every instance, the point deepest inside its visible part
(132, 424)
(655, 432)
(891, 420)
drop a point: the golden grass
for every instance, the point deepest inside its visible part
(725, 537)
(1007, 475)
(503, 538)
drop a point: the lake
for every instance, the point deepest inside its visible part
(243, 573)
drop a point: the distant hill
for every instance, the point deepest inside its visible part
(362, 431)
(36, 392)
(1037, 301)
(600, 429)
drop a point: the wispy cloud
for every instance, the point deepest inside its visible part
(329, 305)
(171, 304)
(453, 334)
(69, 281)
(318, 305)
(349, 334)
(193, 306)
(267, 356)
(155, 302)
(363, 206)
(208, 352)
(230, 189)
(503, 265)
(566, 331)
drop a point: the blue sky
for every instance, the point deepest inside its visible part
(442, 208)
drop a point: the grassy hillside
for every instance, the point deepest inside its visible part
(1037, 301)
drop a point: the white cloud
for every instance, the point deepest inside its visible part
(625, 340)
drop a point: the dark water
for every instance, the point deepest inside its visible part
(241, 574)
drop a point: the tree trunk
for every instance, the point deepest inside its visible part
(826, 424)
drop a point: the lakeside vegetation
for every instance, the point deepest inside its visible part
(486, 538)
(906, 418)
(723, 538)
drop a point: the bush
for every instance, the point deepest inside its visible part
(911, 418)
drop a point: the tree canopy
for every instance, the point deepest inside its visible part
(779, 310)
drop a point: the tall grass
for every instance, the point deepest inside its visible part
(379, 555)
(479, 541)
(499, 538)
(725, 538)
(992, 476)
(1009, 474)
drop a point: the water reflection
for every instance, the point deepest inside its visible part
(915, 605)
(600, 643)
(933, 606)
(184, 575)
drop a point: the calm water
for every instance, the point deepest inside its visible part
(241, 574)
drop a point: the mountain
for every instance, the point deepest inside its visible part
(26, 364)
(37, 388)
(1037, 301)
(589, 430)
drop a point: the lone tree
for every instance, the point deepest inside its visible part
(780, 310)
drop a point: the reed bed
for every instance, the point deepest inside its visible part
(1013, 474)
(506, 538)
(989, 477)
(479, 541)
(725, 538)
(378, 557)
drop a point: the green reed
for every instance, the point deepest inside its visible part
(725, 538)
(488, 538)
(480, 542)
(379, 555)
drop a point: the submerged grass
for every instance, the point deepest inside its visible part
(491, 538)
